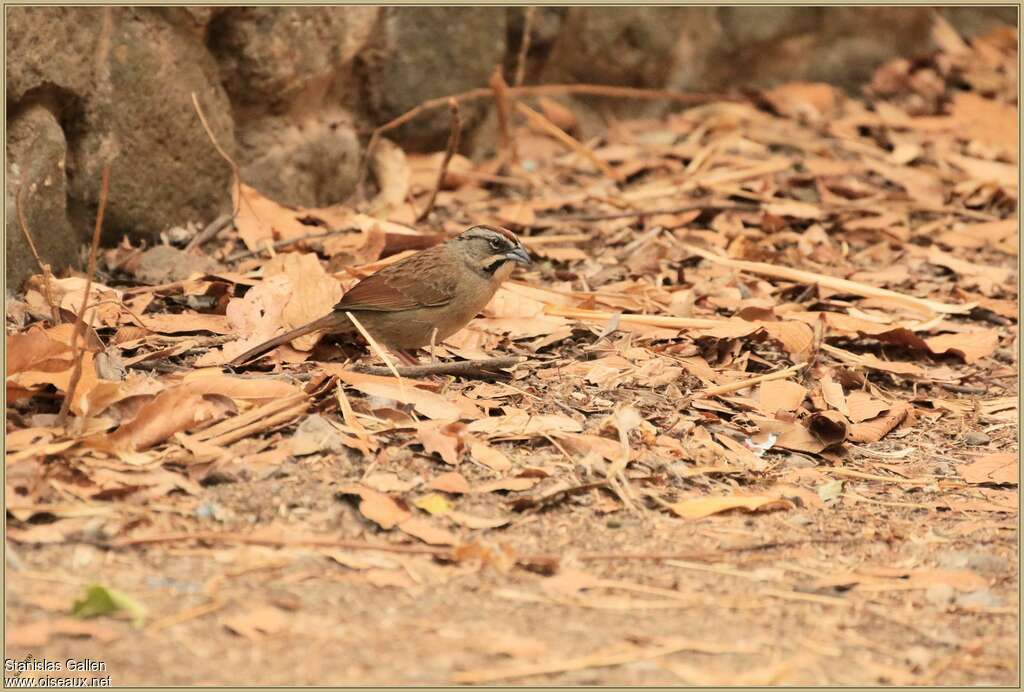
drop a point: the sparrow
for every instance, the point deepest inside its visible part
(424, 298)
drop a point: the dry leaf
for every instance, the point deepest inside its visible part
(698, 508)
(377, 506)
(450, 407)
(998, 468)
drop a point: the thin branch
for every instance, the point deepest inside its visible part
(76, 338)
(210, 232)
(245, 254)
(723, 206)
(568, 140)
(524, 46)
(44, 268)
(485, 368)
(501, 100)
(845, 285)
(453, 144)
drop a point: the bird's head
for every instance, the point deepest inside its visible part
(491, 251)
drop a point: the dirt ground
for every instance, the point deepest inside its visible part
(749, 601)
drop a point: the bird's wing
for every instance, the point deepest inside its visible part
(417, 282)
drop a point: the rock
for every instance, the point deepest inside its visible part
(976, 438)
(36, 152)
(164, 264)
(625, 46)
(277, 59)
(125, 97)
(418, 53)
(313, 163)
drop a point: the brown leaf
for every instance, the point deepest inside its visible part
(700, 507)
(450, 407)
(862, 406)
(444, 439)
(524, 425)
(490, 457)
(875, 430)
(811, 100)
(451, 482)
(424, 529)
(780, 395)
(829, 427)
(377, 506)
(999, 468)
(314, 292)
(173, 410)
(260, 220)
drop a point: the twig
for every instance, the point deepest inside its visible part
(485, 367)
(44, 268)
(319, 541)
(533, 90)
(375, 347)
(568, 140)
(244, 254)
(856, 288)
(501, 101)
(650, 212)
(524, 46)
(210, 232)
(453, 144)
(76, 338)
(743, 384)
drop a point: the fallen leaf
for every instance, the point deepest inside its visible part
(101, 600)
(451, 407)
(377, 507)
(442, 438)
(780, 395)
(700, 507)
(451, 482)
(314, 293)
(998, 468)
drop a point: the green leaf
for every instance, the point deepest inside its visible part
(100, 600)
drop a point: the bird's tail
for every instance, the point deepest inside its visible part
(328, 322)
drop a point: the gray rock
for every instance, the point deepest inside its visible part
(36, 152)
(976, 438)
(274, 59)
(312, 163)
(124, 95)
(419, 53)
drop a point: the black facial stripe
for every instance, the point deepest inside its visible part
(489, 269)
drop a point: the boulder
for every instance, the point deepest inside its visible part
(36, 153)
(124, 78)
(418, 53)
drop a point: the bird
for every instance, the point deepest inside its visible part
(424, 298)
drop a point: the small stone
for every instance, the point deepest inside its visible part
(976, 438)
(982, 598)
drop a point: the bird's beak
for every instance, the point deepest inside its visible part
(519, 255)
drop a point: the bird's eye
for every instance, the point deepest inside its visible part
(495, 244)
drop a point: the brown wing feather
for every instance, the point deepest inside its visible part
(412, 283)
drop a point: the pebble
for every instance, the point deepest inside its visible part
(976, 439)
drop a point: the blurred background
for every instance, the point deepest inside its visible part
(292, 93)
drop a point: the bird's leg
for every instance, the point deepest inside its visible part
(406, 357)
(433, 345)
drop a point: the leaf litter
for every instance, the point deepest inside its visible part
(757, 336)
